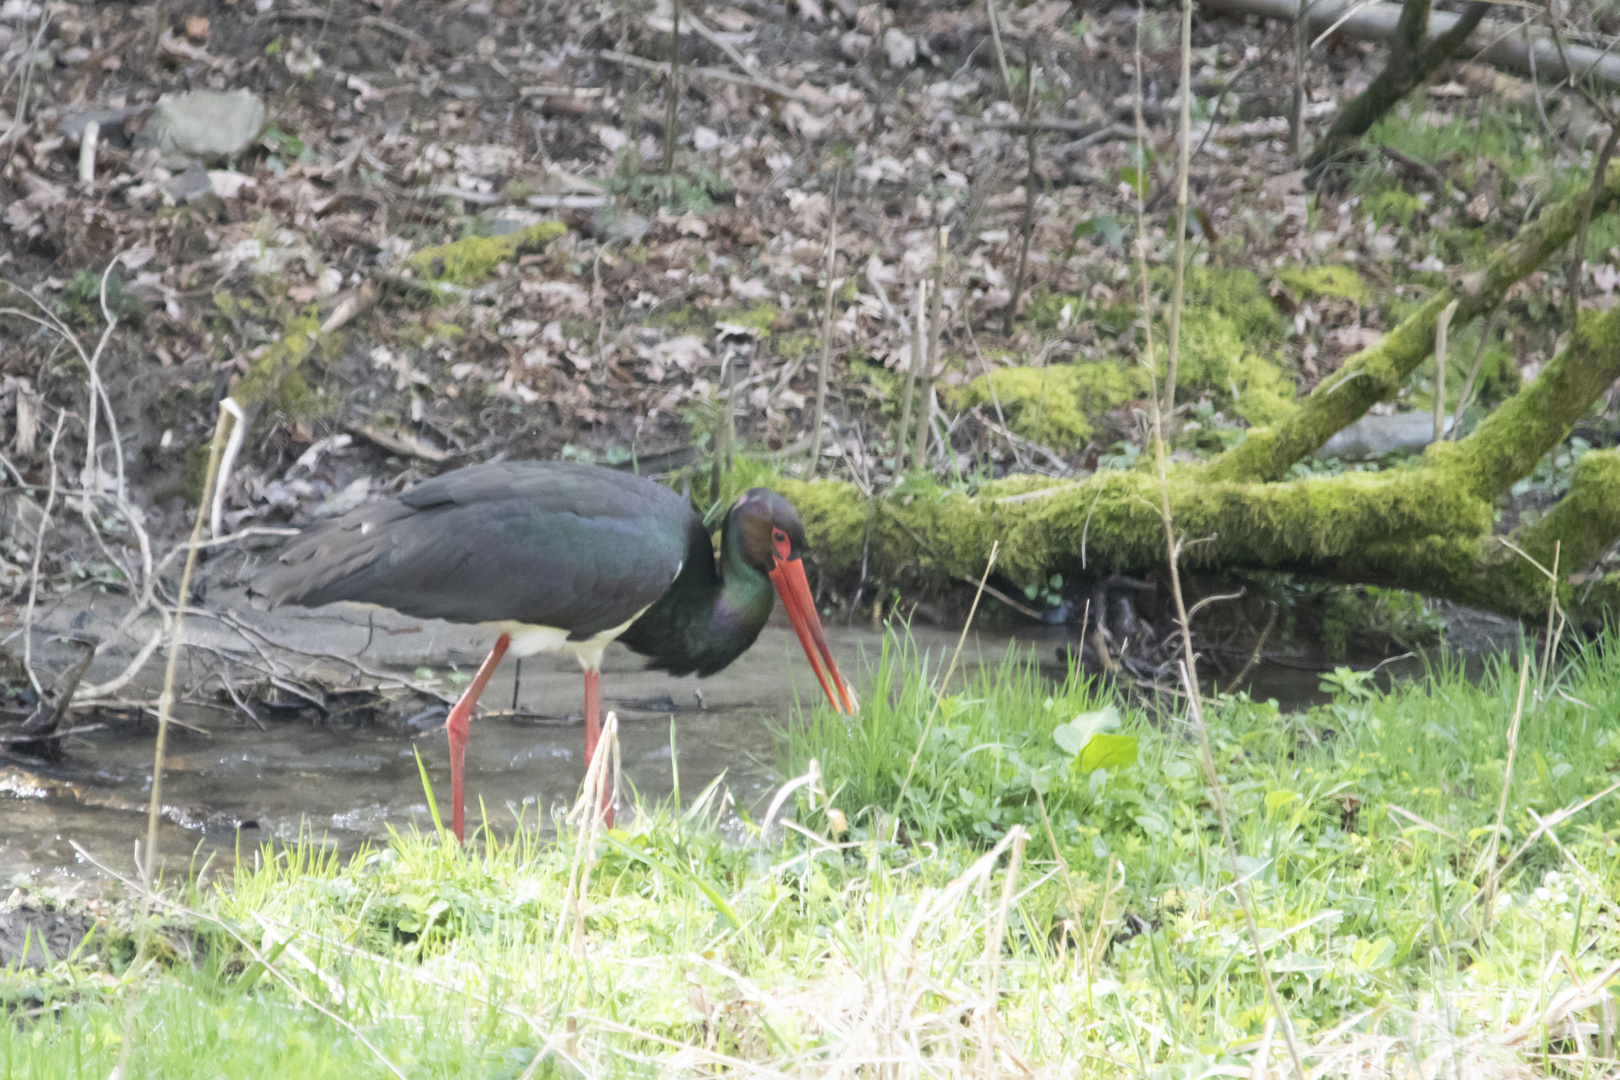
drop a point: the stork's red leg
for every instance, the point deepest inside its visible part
(457, 726)
(593, 734)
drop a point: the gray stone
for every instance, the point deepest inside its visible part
(1375, 436)
(208, 124)
(190, 185)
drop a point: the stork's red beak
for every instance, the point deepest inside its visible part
(789, 579)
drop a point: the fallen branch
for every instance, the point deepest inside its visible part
(717, 74)
(762, 81)
(1506, 45)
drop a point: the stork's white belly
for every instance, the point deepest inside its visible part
(528, 639)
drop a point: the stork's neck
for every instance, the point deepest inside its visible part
(710, 615)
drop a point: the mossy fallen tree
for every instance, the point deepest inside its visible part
(1377, 373)
(1426, 527)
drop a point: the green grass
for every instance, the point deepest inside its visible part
(815, 951)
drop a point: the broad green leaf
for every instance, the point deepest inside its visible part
(1112, 752)
(1073, 736)
(1276, 800)
(1372, 955)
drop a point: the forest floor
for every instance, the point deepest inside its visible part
(1021, 879)
(292, 275)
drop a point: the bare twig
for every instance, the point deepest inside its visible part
(166, 700)
(1487, 861)
(992, 953)
(823, 368)
(760, 80)
(1296, 109)
(919, 346)
(1442, 326)
(672, 116)
(944, 684)
(930, 370)
(1259, 648)
(1576, 270)
(995, 38)
(1473, 374)
(88, 141)
(1029, 201)
(1188, 663)
(1183, 168)
(39, 549)
(710, 73)
(227, 460)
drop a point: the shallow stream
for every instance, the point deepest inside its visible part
(230, 784)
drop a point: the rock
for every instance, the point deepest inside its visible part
(1375, 436)
(206, 123)
(902, 49)
(190, 185)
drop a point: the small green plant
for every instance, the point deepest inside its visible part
(1350, 684)
(692, 188)
(612, 455)
(80, 304)
(1048, 593)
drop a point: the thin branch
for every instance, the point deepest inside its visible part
(39, 549)
(166, 700)
(823, 368)
(1442, 327)
(672, 116)
(710, 73)
(995, 38)
(1029, 201)
(1188, 664)
(919, 343)
(1473, 374)
(944, 684)
(930, 368)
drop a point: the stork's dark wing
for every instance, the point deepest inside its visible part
(546, 543)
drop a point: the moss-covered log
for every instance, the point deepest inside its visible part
(1377, 374)
(1427, 527)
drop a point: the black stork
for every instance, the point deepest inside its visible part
(564, 558)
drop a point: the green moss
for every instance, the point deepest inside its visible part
(1392, 206)
(1040, 523)
(1217, 359)
(1230, 333)
(683, 318)
(795, 346)
(473, 258)
(1508, 443)
(1058, 405)
(1586, 521)
(276, 376)
(757, 317)
(1237, 296)
(1045, 308)
(1336, 282)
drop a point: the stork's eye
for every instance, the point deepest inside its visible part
(784, 547)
